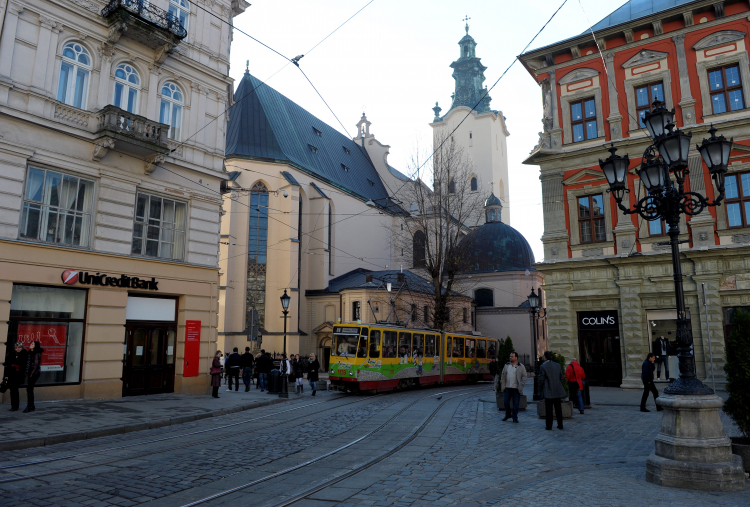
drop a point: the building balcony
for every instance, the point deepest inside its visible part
(145, 23)
(132, 134)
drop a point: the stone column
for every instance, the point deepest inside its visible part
(614, 118)
(8, 41)
(687, 102)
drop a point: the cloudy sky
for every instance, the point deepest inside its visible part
(392, 61)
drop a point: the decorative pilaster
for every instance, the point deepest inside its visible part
(636, 345)
(702, 225)
(625, 231)
(557, 131)
(615, 118)
(555, 237)
(687, 102)
(8, 41)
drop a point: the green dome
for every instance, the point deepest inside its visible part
(496, 246)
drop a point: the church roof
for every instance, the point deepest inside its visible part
(492, 200)
(635, 9)
(496, 246)
(264, 124)
(356, 279)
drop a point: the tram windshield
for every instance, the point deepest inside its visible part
(345, 341)
(362, 349)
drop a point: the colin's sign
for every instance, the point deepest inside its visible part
(592, 321)
(70, 277)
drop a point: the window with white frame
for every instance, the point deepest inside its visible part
(726, 89)
(75, 69)
(645, 97)
(583, 120)
(170, 111)
(180, 10)
(127, 86)
(56, 208)
(159, 227)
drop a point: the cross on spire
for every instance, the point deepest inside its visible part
(466, 19)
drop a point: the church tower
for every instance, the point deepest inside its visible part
(482, 135)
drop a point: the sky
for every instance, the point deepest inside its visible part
(392, 61)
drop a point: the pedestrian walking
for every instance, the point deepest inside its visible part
(493, 368)
(292, 368)
(232, 366)
(264, 366)
(647, 376)
(574, 374)
(15, 373)
(215, 372)
(223, 373)
(312, 373)
(299, 373)
(512, 380)
(553, 389)
(247, 361)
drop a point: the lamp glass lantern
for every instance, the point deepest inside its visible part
(533, 300)
(285, 301)
(652, 175)
(715, 152)
(674, 147)
(657, 119)
(615, 169)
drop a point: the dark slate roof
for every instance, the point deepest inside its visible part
(492, 201)
(356, 279)
(635, 9)
(496, 246)
(265, 124)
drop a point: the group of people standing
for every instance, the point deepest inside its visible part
(294, 368)
(23, 366)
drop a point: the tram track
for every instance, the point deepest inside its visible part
(358, 468)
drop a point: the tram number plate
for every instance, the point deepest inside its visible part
(343, 373)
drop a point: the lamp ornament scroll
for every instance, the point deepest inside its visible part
(663, 169)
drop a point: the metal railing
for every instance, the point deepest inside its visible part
(148, 13)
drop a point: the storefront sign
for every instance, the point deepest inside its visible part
(592, 321)
(192, 348)
(71, 276)
(53, 338)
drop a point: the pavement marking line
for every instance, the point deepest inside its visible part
(18, 465)
(330, 453)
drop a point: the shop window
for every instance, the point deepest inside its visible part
(127, 86)
(75, 69)
(725, 89)
(57, 208)
(159, 228)
(583, 120)
(374, 344)
(737, 188)
(645, 97)
(484, 297)
(55, 317)
(170, 111)
(591, 218)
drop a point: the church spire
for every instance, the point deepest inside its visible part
(468, 73)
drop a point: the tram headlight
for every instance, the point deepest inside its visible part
(351, 373)
(331, 372)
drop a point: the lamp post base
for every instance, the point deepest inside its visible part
(692, 451)
(284, 393)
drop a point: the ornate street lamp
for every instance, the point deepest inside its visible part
(285, 310)
(534, 306)
(692, 439)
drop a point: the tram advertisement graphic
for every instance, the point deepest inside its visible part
(53, 338)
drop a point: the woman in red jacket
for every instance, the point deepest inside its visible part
(574, 374)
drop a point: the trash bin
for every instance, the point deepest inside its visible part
(586, 396)
(274, 382)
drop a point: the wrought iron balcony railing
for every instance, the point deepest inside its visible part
(148, 13)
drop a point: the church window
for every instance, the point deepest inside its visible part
(466, 316)
(347, 150)
(470, 136)
(474, 184)
(345, 168)
(330, 240)
(419, 245)
(591, 218)
(299, 242)
(484, 297)
(452, 187)
(426, 314)
(317, 132)
(583, 120)
(257, 245)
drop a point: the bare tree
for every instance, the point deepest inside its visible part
(438, 219)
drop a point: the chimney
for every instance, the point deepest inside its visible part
(368, 278)
(400, 278)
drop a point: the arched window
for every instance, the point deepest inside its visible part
(180, 10)
(484, 297)
(127, 85)
(452, 187)
(257, 248)
(418, 250)
(171, 109)
(73, 88)
(473, 184)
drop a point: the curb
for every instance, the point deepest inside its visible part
(27, 443)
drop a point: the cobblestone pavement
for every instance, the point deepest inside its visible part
(465, 456)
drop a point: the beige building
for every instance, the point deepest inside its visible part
(112, 134)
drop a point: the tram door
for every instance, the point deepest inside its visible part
(149, 359)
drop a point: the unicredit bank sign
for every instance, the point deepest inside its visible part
(71, 277)
(592, 321)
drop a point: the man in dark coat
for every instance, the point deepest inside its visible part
(263, 364)
(553, 389)
(647, 377)
(493, 368)
(15, 373)
(232, 365)
(246, 365)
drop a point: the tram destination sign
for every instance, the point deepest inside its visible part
(345, 330)
(71, 277)
(598, 321)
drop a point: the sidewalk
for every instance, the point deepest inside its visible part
(56, 422)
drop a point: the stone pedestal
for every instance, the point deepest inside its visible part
(692, 451)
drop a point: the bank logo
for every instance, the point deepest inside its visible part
(70, 276)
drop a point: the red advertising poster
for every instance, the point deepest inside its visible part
(192, 348)
(53, 338)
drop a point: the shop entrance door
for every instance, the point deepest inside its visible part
(149, 359)
(600, 357)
